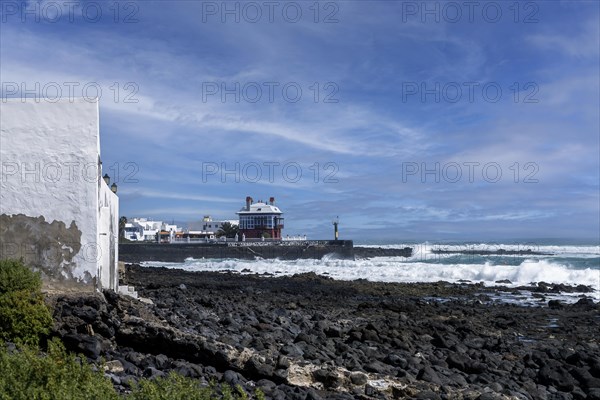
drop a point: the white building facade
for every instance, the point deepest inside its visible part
(260, 220)
(209, 226)
(143, 229)
(56, 211)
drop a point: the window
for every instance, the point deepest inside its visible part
(246, 222)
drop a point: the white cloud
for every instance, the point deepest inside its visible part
(369, 133)
(584, 44)
(155, 194)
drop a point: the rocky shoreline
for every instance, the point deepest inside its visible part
(310, 337)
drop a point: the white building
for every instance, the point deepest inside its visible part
(133, 232)
(260, 220)
(56, 211)
(143, 229)
(209, 226)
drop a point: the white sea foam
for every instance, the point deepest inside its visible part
(556, 250)
(396, 269)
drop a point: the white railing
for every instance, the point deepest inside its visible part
(198, 240)
(296, 241)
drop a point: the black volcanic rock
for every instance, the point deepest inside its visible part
(306, 336)
(369, 252)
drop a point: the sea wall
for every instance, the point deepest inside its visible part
(138, 252)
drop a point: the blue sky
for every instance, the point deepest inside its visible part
(408, 120)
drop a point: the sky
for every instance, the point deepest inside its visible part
(407, 120)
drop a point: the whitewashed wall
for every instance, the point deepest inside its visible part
(108, 237)
(50, 187)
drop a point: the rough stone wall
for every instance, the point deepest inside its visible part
(49, 155)
(137, 252)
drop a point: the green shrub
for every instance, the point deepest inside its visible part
(23, 317)
(25, 374)
(15, 276)
(58, 375)
(171, 387)
(23, 314)
(177, 387)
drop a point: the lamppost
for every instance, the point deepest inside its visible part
(106, 179)
(113, 188)
(336, 222)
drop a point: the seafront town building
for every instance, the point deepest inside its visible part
(260, 220)
(210, 225)
(143, 229)
(207, 228)
(257, 221)
(57, 213)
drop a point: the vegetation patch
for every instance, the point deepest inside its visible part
(26, 374)
(24, 317)
(55, 374)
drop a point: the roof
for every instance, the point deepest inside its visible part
(260, 208)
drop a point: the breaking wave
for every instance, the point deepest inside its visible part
(397, 269)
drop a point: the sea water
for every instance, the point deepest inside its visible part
(572, 264)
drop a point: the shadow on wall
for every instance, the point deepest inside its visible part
(47, 247)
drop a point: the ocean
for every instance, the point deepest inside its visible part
(572, 264)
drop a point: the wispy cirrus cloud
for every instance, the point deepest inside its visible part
(369, 134)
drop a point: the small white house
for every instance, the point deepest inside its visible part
(56, 211)
(143, 229)
(209, 225)
(133, 232)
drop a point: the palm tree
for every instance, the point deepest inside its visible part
(228, 230)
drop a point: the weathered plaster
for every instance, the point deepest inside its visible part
(48, 247)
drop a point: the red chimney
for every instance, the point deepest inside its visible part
(272, 200)
(248, 202)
